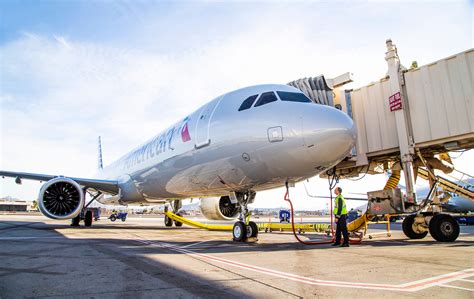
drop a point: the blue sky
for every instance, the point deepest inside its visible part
(73, 70)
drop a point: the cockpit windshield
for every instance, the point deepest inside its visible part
(293, 97)
(248, 102)
(265, 98)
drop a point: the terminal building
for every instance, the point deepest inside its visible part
(13, 206)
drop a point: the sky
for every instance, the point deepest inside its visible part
(73, 70)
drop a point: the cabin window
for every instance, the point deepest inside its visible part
(293, 97)
(265, 98)
(248, 102)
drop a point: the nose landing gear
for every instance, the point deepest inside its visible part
(244, 229)
(242, 232)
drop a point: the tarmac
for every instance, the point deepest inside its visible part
(140, 258)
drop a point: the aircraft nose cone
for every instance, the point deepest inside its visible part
(347, 128)
(329, 134)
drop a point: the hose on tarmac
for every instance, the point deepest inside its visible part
(287, 198)
(333, 179)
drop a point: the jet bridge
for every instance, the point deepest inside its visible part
(427, 109)
(409, 120)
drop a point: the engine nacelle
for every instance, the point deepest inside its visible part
(61, 198)
(219, 208)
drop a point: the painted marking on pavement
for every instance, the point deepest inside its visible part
(406, 287)
(24, 238)
(197, 243)
(456, 287)
(468, 280)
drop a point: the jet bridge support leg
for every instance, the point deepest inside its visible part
(402, 119)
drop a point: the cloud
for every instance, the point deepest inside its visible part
(60, 91)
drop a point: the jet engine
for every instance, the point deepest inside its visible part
(61, 198)
(219, 208)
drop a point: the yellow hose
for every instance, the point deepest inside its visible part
(393, 181)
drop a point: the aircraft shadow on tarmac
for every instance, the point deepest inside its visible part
(53, 262)
(43, 260)
(226, 244)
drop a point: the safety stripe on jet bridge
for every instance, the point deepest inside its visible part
(413, 286)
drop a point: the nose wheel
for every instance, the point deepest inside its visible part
(239, 232)
(252, 230)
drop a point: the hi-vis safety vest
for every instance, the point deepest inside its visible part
(336, 207)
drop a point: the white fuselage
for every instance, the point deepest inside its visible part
(218, 149)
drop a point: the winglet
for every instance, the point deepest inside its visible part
(99, 161)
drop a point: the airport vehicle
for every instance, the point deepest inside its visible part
(118, 215)
(225, 152)
(465, 219)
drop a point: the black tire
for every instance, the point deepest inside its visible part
(252, 230)
(177, 223)
(75, 221)
(239, 232)
(113, 218)
(407, 227)
(123, 219)
(444, 228)
(168, 221)
(88, 218)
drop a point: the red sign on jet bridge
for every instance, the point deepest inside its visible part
(395, 102)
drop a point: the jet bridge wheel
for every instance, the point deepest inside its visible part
(444, 228)
(239, 232)
(407, 227)
(88, 218)
(168, 221)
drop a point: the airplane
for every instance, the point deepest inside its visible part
(242, 142)
(460, 204)
(451, 202)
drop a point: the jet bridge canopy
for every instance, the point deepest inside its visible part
(439, 104)
(434, 102)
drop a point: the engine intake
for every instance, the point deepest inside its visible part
(219, 208)
(61, 198)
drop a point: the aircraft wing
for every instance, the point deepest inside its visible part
(105, 186)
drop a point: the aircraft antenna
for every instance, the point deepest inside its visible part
(99, 161)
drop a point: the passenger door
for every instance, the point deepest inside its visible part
(203, 123)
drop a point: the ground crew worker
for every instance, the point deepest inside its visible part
(340, 212)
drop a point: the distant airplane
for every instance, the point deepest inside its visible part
(242, 142)
(455, 203)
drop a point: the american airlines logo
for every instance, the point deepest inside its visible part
(185, 131)
(159, 144)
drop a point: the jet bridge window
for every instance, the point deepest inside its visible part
(248, 102)
(293, 97)
(265, 98)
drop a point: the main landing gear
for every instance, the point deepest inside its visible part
(442, 227)
(244, 229)
(85, 214)
(176, 206)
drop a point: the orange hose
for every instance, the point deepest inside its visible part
(287, 198)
